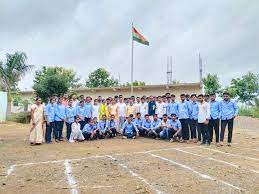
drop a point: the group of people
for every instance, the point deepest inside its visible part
(195, 118)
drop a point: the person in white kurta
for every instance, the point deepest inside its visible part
(95, 110)
(76, 133)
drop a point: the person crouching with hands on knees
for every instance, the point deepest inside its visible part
(129, 129)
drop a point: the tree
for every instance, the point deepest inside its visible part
(246, 89)
(101, 78)
(54, 80)
(211, 84)
(13, 70)
(135, 83)
(11, 73)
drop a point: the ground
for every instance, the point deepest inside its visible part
(129, 166)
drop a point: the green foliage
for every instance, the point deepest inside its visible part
(246, 89)
(211, 84)
(101, 78)
(248, 111)
(22, 117)
(135, 83)
(12, 71)
(54, 80)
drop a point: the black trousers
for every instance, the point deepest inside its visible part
(154, 133)
(87, 136)
(185, 129)
(49, 129)
(58, 129)
(214, 124)
(204, 132)
(82, 124)
(229, 123)
(194, 128)
(68, 130)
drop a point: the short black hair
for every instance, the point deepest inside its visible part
(138, 113)
(226, 93)
(146, 115)
(212, 94)
(200, 95)
(164, 115)
(173, 114)
(182, 95)
(206, 95)
(155, 115)
(131, 115)
(193, 95)
(172, 95)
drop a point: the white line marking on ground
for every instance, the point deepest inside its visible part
(230, 154)
(70, 179)
(209, 158)
(96, 156)
(136, 175)
(196, 172)
(10, 170)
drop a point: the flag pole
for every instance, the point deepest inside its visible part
(132, 44)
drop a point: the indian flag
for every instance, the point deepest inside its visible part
(138, 37)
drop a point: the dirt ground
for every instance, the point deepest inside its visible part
(129, 166)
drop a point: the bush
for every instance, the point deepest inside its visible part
(22, 117)
(248, 111)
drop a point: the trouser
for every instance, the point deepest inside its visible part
(193, 125)
(87, 135)
(154, 133)
(224, 123)
(185, 129)
(82, 124)
(142, 132)
(121, 121)
(166, 133)
(114, 131)
(58, 129)
(129, 135)
(87, 120)
(68, 130)
(204, 132)
(49, 129)
(214, 124)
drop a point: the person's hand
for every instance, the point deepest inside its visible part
(206, 122)
(33, 123)
(48, 123)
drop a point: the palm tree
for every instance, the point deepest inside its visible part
(11, 73)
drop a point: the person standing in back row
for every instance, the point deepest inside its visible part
(229, 112)
(203, 119)
(184, 112)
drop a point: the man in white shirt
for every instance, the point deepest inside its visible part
(143, 108)
(121, 110)
(160, 107)
(203, 119)
(95, 109)
(137, 104)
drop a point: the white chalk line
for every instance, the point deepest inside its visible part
(136, 175)
(205, 176)
(84, 158)
(10, 170)
(70, 178)
(230, 154)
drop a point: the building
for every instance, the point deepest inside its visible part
(155, 90)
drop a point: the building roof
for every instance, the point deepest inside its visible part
(167, 86)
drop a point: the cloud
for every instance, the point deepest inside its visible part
(85, 35)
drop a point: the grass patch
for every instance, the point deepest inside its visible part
(248, 111)
(22, 117)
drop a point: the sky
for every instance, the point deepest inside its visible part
(85, 35)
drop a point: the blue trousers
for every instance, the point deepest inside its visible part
(49, 129)
(129, 135)
(58, 129)
(166, 133)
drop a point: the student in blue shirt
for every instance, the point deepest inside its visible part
(80, 111)
(138, 122)
(89, 130)
(194, 119)
(229, 111)
(173, 107)
(102, 128)
(70, 117)
(184, 111)
(176, 127)
(152, 106)
(165, 131)
(50, 118)
(112, 126)
(60, 118)
(88, 110)
(214, 118)
(129, 129)
(146, 125)
(155, 127)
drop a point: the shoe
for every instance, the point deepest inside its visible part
(49, 142)
(124, 137)
(221, 143)
(217, 144)
(229, 144)
(61, 139)
(134, 137)
(56, 140)
(202, 143)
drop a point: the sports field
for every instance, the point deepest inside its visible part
(129, 166)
